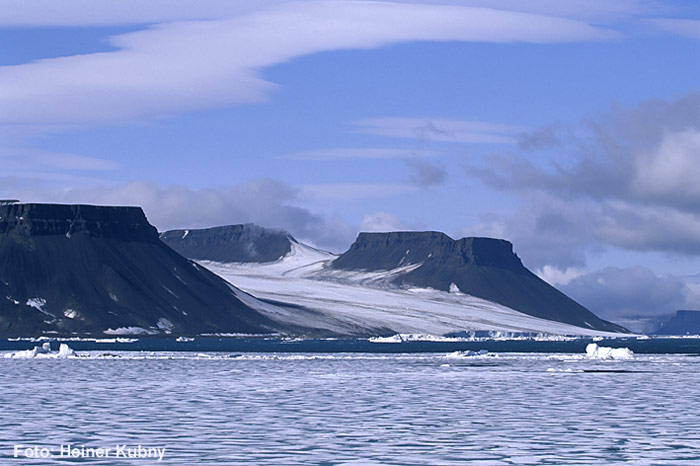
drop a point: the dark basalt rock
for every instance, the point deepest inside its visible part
(80, 269)
(232, 243)
(483, 267)
(685, 322)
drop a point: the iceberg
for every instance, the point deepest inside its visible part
(594, 351)
(466, 354)
(64, 351)
(43, 351)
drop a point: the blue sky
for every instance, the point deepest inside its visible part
(569, 128)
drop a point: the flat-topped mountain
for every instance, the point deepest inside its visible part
(84, 270)
(400, 282)
(483, 267)
(385, 251)
(685, 322)
(231, 243)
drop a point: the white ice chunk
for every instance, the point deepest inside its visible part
(603, 352)
(43, 351)
(466, 354)
(64, 351)
(392, 339)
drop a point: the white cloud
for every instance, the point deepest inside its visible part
(381, 222)
(556, 276)
(627, 180)
(185, 66)
(124, 12)
(593, 10)
(670, 170)
(437, 129)
(634, 291)
(266, 202)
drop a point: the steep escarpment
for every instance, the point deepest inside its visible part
(83, 270)
(231, 243)
(483, 267)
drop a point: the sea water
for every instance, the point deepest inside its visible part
(349, 409)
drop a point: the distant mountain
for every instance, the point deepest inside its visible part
(482, 267)
(402, 282)
(685, 322)
(232, 243)
(89, 270)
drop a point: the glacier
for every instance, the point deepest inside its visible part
(358, 303)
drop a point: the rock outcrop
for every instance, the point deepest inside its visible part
(483, 267)
(84, 270)
(232, 243)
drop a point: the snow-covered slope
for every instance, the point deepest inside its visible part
(362, 303)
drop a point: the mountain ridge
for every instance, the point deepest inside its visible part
(97, 270)
(485, 268)
(230, 243)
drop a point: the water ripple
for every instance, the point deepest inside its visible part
(357, 410)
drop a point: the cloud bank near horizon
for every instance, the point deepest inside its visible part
(625, 180)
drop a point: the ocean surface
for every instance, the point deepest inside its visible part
(351, 409)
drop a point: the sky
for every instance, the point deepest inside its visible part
(571, 129)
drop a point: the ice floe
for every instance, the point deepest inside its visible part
(594, 351)
(466, 354)
(43, 351)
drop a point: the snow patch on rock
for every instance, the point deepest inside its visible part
(129, 331)
(165, 325)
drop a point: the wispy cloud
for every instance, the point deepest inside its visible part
(349, 153)
(193, 65)
(382, 221)
(349, 192)
(627, 181)
(68, 13)
(33, 159)
(436, 129)
(265, 201)
(680, 27)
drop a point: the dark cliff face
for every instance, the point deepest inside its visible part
(685, 322)
(79, 269)
(385, 251)
(124, 223)
(483, 267)
(232, 243)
